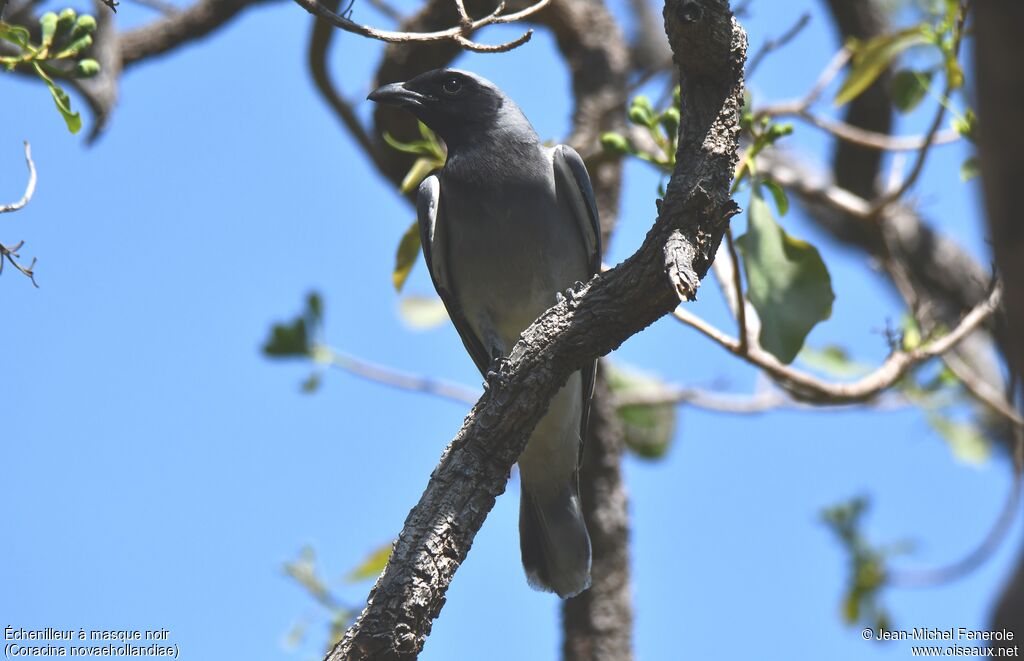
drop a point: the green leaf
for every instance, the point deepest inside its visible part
(63, 102)
(970, 169)
(15, 34)
(405, 256)
(417, 173)
(965, 439)
(648, 430)
(288, 340)
(422, 312)
(873, 57)
(788, 283)
(372, 565)
(779, 195)
(909, 88)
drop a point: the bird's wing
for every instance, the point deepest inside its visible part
(434, 252)
(571, 178)
(572, 181)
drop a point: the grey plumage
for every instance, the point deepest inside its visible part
(505, 226)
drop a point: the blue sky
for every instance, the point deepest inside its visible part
(158, 470)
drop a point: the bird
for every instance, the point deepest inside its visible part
(506, 226)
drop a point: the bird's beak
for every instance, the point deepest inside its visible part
(396, 94)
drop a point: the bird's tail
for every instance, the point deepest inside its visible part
(554, 541)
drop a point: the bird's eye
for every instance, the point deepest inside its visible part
(452, 86)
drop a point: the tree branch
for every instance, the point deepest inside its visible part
(30, 187)
(459, 34)
(709, 49)
(809, 388)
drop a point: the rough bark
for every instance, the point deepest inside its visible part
(598, 624)
(998, 50)
(709, 50)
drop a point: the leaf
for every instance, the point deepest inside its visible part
(967, 125)
(873, 57)
(417, 173)
(648, 430)
(372, 565)
(288, 340)
(909, 88)
(779, 195)
(15, 34)
(965, 439)
(405, 256)
(970, 169)
(788, 283)
(63, 102)
(422, 312)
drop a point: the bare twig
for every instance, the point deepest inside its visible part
(394, 378)
(10, 253)
(855, 134)
(809, 388)
(459, 34)
(926, 578)
(30, 188)
(741, 306)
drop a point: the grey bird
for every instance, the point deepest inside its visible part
(506, 226)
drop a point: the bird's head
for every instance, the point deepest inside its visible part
(457, 105)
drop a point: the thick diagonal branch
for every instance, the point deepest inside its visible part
(709, 49)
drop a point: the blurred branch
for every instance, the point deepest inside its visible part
(807, 387)
(460, 34)
(394, 378)
(30, 187)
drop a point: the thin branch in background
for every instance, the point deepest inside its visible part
(459, 34)
(316, 56)
(394, 378)
(30, 188)
(777, 43)
(801, 109)
(741, 305)
(920, 578)
(806, 387)
(10, 253)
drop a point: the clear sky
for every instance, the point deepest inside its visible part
(157, 470)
